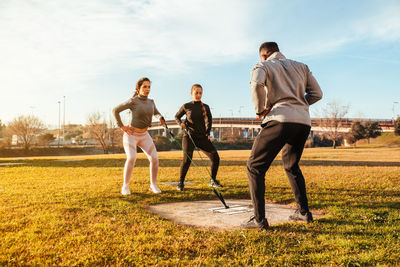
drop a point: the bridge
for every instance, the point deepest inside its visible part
(249, 127)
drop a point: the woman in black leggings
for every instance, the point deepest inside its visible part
(198, 124)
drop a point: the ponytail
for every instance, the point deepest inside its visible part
(139, 84)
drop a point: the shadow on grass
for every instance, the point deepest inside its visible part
(192, 194)
(349, 163)
(344, 191)
(331, 226)
(176, 163)
(339, 197)
(291, 228)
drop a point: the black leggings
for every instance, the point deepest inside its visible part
(206, 147)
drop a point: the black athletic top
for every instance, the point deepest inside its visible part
(195, 121)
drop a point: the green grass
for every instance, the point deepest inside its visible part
(72, 213)
(388, 139)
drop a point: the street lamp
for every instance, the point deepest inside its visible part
(395, 102)
(240, 109)
(231, 122)
(220, 127)
(64, 121)
(59, 122)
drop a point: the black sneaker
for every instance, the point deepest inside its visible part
(252, 223)
(297, 216)
(215, 183)
(179, 187)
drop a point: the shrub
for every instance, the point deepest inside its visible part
(162, 143)
(397, 126)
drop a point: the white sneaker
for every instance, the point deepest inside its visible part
(125, 190)
(155, 189)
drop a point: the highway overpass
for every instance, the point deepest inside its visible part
(249, 128)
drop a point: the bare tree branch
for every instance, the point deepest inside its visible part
(98, 130)
(332, 120)
(26, 128)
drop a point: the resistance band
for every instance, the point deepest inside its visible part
(213, 188)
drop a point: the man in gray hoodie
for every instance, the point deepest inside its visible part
(282, 91)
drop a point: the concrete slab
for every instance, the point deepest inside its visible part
(176, 183)
(212, 214)
(68, 160)
(11, 163)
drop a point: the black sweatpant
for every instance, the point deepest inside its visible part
(273, 137)
(205, 146)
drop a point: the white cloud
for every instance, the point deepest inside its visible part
(48, 44)
(379, 25)
(52, 48)
(384, 25)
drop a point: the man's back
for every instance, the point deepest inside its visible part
(289, 88)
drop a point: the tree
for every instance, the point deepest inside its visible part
(357, 132)
(178, 143)
(45, 139)
(72, 131)
(79, 139)
(2, 142)
(333, 120)
(1, 129)
(114, 133)
(364, 129)
(26, 128)
(7, 137)
(397, 126)
(351, 139)
(162, 143)
(372, 130)
(97, 128)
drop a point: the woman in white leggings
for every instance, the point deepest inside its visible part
(136, 135)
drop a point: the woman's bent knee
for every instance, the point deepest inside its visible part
(131, 161)
(154, 159)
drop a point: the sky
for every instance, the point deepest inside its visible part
(93, 52)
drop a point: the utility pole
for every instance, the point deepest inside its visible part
(240, 109)
(393, 118)
(220, 127)
(59, 122)
(64, 122)
(231, 122)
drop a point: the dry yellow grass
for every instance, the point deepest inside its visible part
(71, 212)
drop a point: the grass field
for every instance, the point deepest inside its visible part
(71, 212)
